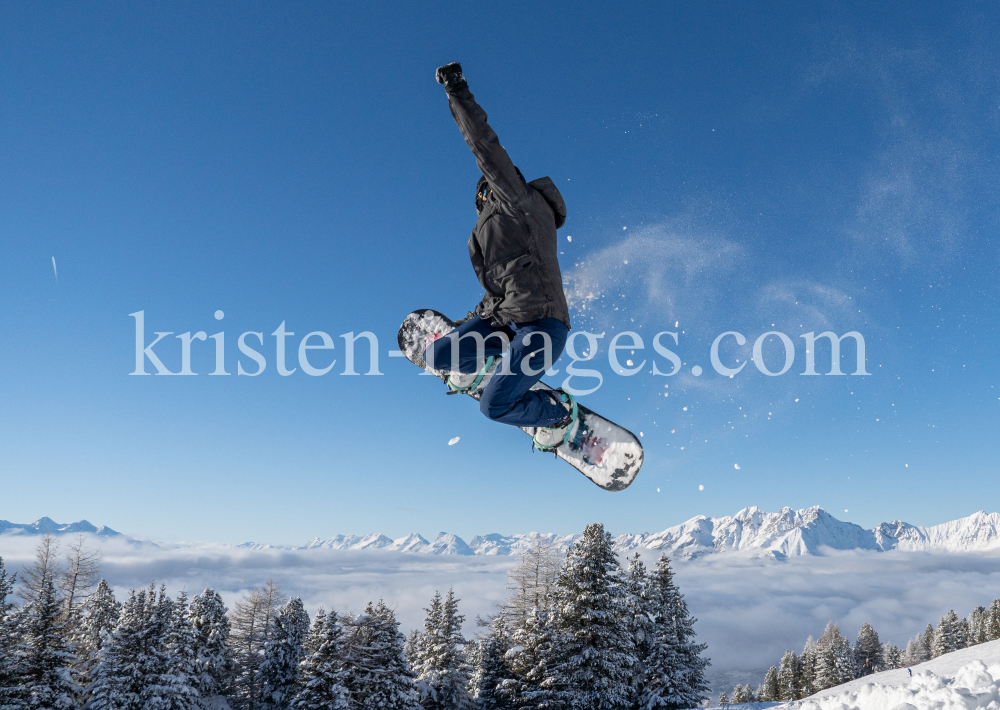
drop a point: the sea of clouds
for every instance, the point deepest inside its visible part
(749, 610)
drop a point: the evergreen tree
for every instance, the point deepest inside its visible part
(993, 621)
(280, 668)
(442, 675)
(98, 620)
(723, 699)
(948, 636)
(834, 659)
(179, 680)
(8, 638)
(928, 641)
(492, 669)
(596, 651)
(788, 677)
(674, 671)
(891, 657)
(533, 682)
(915, 652)
(867, 651)
(323, 674)
(127, 657)
(807, 669)
(378, 675)
(978, 620)
(742, 694)
(962, 634)
(45, 673)
(213, 657)
(770, 692)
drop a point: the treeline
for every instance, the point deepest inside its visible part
(576, 631)
(832, 659)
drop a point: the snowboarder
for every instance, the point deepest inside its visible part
(515, 256)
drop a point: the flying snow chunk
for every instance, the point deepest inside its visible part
(796, 399)
(657, 490)
(701, 488)
(452, 442)
(736, 466)
(846, 510)
(569, 238)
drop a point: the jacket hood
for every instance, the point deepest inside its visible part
(551, 194)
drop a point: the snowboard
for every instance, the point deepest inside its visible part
(606, 453)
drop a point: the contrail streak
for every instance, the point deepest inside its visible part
(54, 271)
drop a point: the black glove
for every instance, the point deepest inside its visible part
(449, 74)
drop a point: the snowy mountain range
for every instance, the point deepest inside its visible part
(752, 531)
(48, 525)
(787, 533)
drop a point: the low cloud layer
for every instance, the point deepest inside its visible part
(749, 610)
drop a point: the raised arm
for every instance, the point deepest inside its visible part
(491, 157)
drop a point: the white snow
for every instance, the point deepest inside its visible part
(452, 442)
(969, 678)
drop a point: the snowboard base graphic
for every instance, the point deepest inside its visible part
(607, 454)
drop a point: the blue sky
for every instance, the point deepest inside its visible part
(813, 167)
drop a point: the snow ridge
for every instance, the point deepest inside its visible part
(751, 531)
(787, 533)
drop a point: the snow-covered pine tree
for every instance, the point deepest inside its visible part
(378, 674)
(322, 674)
(639, 616)
(914, 652)
(867, 651)
(98, 620)
(180, 677)
(723, 699)
(891, 657)
(978, 619)
(788, 677)
(929, 641)
(213, 656)
(834, 659)
(119, 677)
(280, 668)
(993, 621)
(8, 660)
(46, 668)
(491, 668)
(674, 671)
(770, 692)
(252, 627)
(424, 643)
(442, 674)
(534, 682)
(592, 663)
(742, 694)
(947, 634)
(962, 633)
(807, 669)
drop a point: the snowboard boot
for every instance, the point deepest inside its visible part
(461, 383)
(552, 437)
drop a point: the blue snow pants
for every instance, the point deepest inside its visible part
(508, 397)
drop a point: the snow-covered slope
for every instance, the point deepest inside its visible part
(969, 678)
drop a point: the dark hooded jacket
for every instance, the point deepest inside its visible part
(513, 247)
